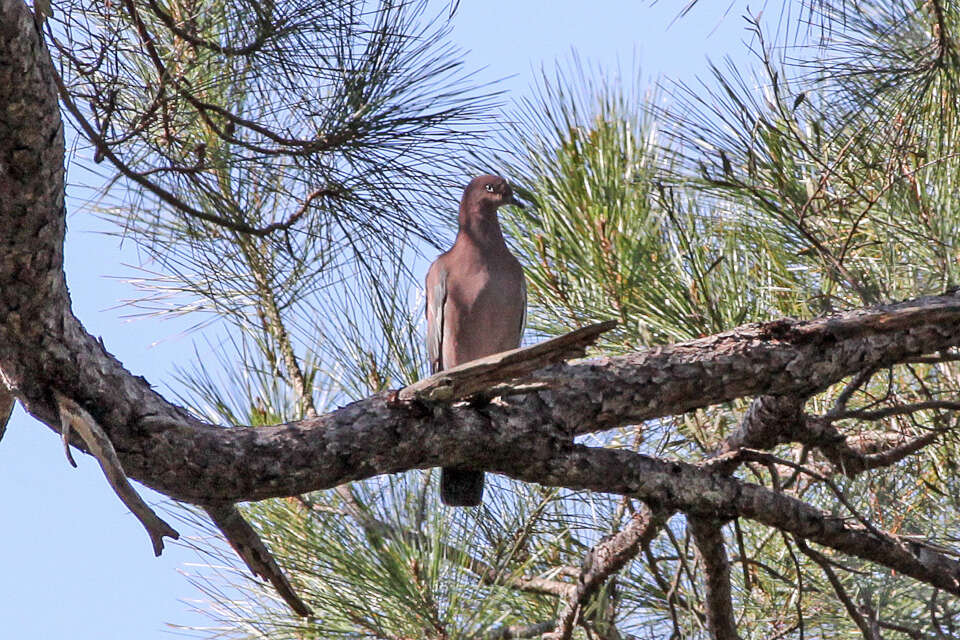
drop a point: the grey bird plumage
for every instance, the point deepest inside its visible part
(476, 304)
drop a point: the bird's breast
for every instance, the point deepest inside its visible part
(485, 309)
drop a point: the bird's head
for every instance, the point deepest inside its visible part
(488, 192)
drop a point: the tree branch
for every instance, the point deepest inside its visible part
(769, 421)
(886, 412)
(248, 545)
(507, 632)
(708, 535)
(685, 487)
(384, 435)
(492, 375)
(74, 418)
(609, 556)
(865, 628)
(851, 455)
(171, 199)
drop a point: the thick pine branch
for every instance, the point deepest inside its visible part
(165, 448)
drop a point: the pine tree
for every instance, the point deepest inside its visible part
(271, 162)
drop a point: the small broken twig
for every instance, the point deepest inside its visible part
(248, 545)
(493, 374)
(65, 434)
(73, 416)
(6, 408)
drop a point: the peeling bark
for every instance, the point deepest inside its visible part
(74, 419)
(491, 376)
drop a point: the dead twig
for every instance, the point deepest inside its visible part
(6, 408)
(248, 545)
(886, 412)
(492, 375)
(73, 416)
(851, 455)
(853, 611)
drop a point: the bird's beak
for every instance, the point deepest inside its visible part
(513, 200)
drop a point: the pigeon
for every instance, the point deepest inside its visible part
(476, 304)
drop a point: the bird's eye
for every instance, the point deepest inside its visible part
(488, 187)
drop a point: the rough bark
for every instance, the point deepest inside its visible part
(769, 421)
(721, 621)
(162, 446)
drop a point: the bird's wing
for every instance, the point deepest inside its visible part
(523, 316)
(436, 298)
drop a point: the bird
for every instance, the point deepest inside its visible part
(476, 304)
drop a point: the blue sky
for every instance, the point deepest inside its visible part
(75, 563)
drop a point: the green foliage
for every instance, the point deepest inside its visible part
(808, 188)
(853, 168)
(270, 158)
(607, 238)
(383, 559)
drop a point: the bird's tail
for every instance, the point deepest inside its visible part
(459, 488)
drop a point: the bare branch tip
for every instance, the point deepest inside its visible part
(75, 417)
